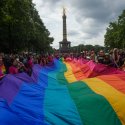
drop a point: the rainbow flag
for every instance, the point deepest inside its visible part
(2, 70)
(70, 92)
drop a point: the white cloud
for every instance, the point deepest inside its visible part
(86, 19)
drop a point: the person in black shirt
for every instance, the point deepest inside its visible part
(107, 60)
(101, 57)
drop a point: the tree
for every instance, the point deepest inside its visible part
(21, 27)
(80, 48)
(115, 34)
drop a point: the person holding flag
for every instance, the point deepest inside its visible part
(2, 68)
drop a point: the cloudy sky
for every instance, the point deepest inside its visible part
(86, 19)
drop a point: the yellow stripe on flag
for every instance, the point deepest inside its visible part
(114, 97)
(69, 74)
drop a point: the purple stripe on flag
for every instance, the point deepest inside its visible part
(10, 85)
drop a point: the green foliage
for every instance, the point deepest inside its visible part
(80, 48)
(21, 27)
(115, 35)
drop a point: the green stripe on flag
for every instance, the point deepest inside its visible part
(94, 109)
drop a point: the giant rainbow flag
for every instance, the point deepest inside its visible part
(70, 92)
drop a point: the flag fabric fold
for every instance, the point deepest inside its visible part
(69, 92)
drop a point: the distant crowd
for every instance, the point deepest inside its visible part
(17, 63)
(114, 57)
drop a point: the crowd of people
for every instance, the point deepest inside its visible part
(17, 63)
(114, 58)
